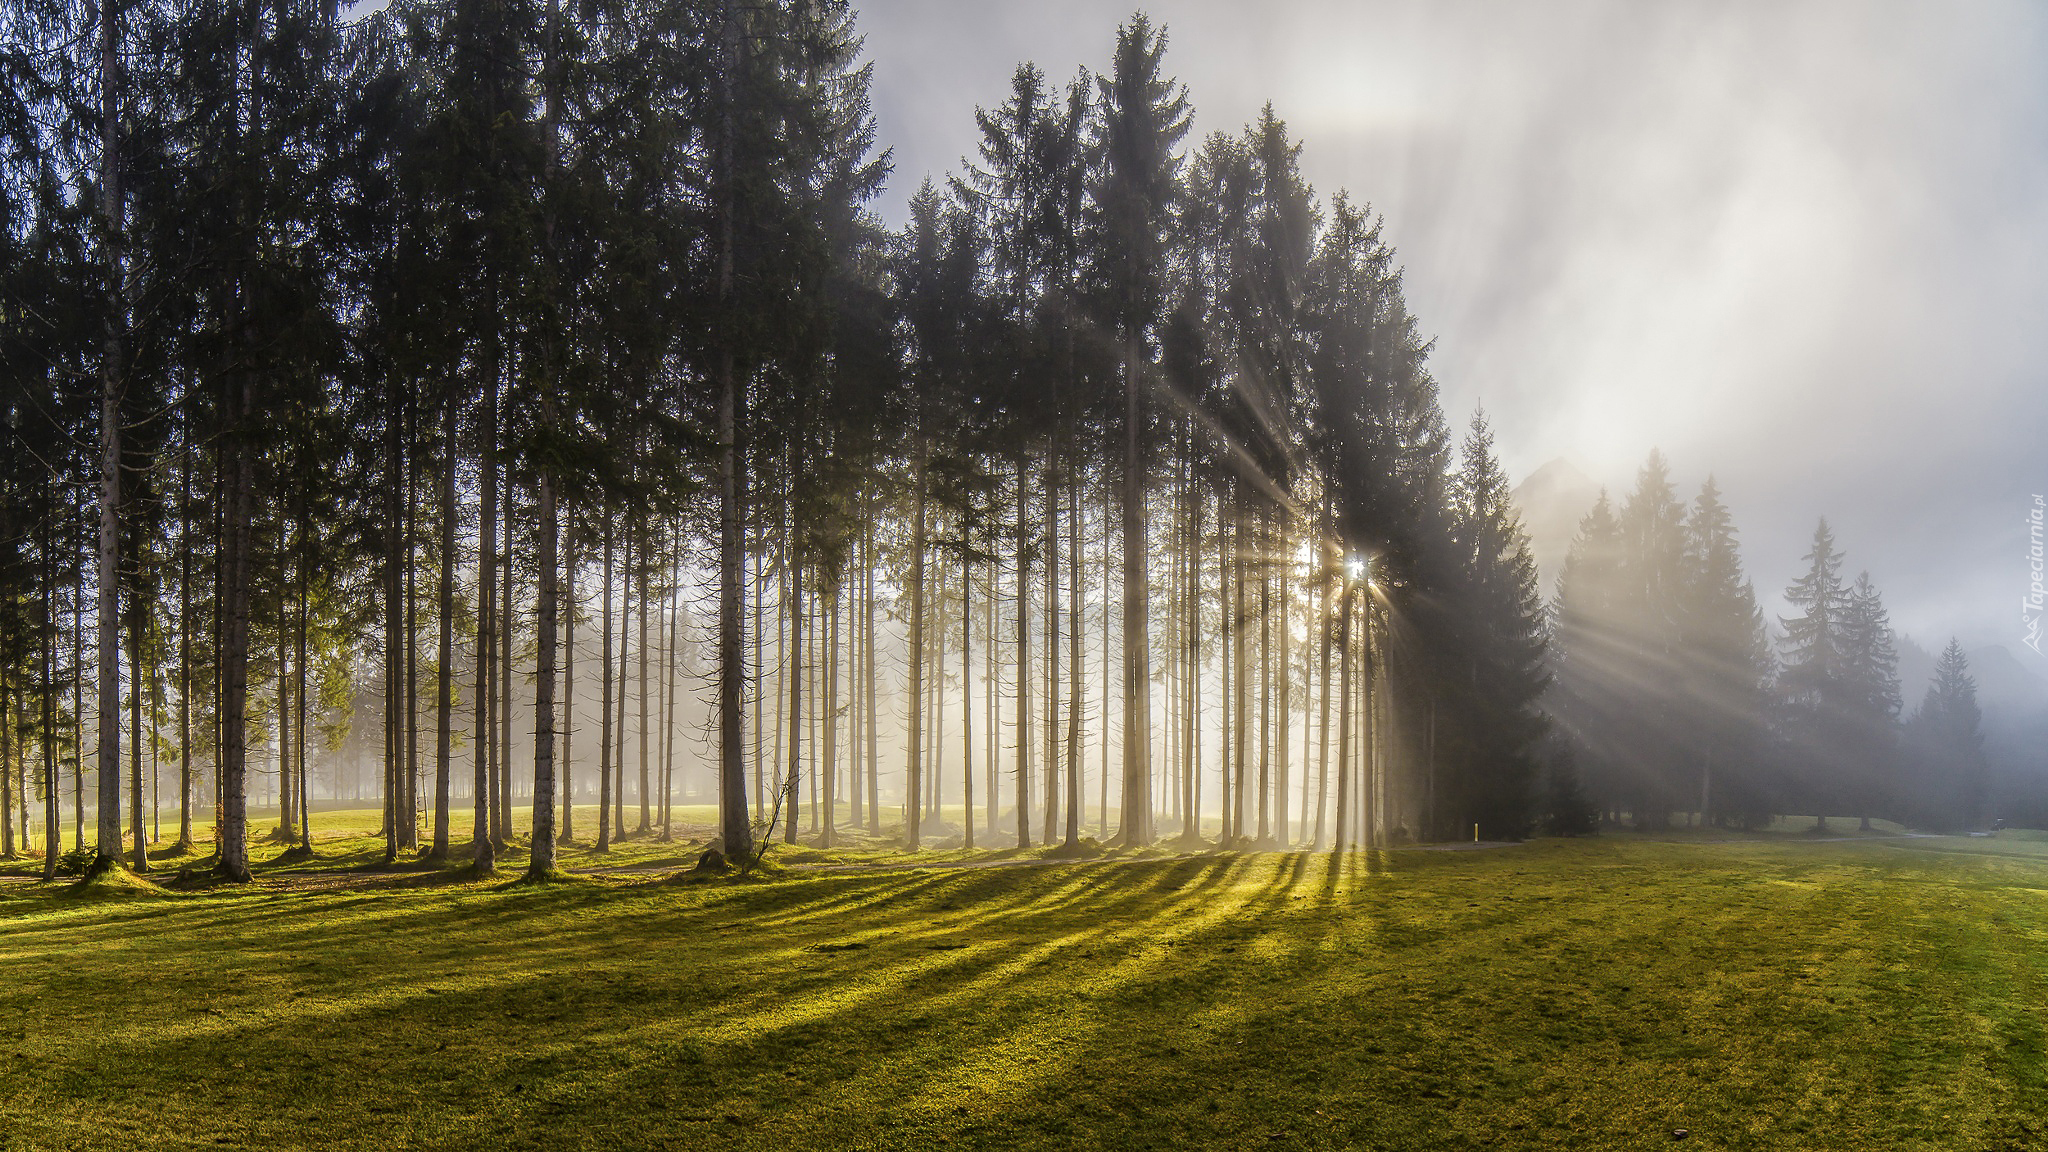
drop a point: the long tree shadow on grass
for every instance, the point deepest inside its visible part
(1346, 1001)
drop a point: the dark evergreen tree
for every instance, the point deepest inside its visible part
(1503, 641)
(1868, 724)
(1945, 785)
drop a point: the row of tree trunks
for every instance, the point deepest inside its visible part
(819, 701)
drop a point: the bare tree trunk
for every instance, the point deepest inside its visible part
(394, 616)
(1285, 711)
(444, 672)
(792, 779)
(855, 677)
(913, 800)
(8, 775)
(1431, 831)
(626, 606)
(966, 700)
(828, 771)
(1194, 689)
(814, 687)
(1344, 721)
(139, 859)
(1137, 801)
(1323, 727)
(542, 860)
(234, 659)
(567, 835)
(21, 788)
(771, 804)
(1023, 660)
(935, 695)
(1052, 654)
(1074, 669)
(1226, 653)
(935, 657)
(113, 223)
(501, 796)
(668, 705)
(184, 650)
(734, 832)
(1262, 543)
(1372, 798)
(484, 852)
(873, 728)
(760, 599)
(409, 831)
(1108, 561)
(285, 821)
(19, 776)
(51, 829)
(78, 705)
(991, 721)
(299, 697)
(1240, 750)
(604, 739)
(648, 608)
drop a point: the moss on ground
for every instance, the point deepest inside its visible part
(109, 880)
(1758, 994)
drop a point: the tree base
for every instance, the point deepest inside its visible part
(107, 877)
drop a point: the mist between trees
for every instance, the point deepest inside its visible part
(481, 404)
(1673, 696)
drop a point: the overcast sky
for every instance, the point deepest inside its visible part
(1797, 245)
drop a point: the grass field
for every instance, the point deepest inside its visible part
(1771, 992)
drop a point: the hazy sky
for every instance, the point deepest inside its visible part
(1797, 245)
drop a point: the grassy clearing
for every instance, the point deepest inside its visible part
(1598, 994)
(348, 846)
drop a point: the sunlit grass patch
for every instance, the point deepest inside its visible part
(1600, 993)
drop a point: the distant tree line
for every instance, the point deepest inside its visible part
(1674, 697)
(361, 377)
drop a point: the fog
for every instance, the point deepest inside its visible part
(1798, 246)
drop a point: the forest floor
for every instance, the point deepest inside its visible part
(1771, 992)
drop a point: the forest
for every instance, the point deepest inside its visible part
(363, 376)
(488, 405)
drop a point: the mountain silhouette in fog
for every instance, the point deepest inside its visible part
(2004, 685)
(1552, 500)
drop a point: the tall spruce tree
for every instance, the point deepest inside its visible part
(1141, 118)
(1867, 727)
(1814, 654)
(1504, 644)
(1726, 667)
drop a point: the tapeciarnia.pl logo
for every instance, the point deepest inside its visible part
(2037, 589)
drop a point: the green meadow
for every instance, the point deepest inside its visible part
(1774, 992)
